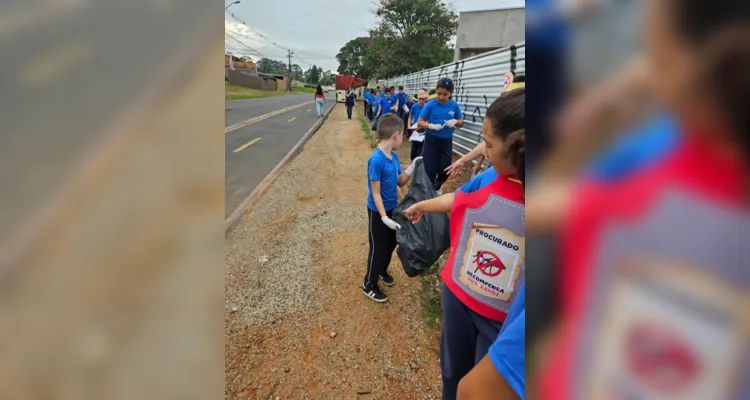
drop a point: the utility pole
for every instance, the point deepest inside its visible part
(289, 84)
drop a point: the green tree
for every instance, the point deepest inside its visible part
(327, 78)
(268, 66)
(314, 77)
(297, 72)
(351, 58)
(412, 35)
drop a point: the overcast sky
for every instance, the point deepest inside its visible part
(314, 30)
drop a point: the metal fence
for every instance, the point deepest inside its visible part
(478, 80)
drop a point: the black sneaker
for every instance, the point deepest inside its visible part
(375, 294)
(387, 279)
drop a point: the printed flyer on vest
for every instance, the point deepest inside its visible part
(492, 261)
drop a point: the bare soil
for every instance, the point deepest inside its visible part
(297, 324)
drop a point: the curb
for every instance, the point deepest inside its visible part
(234, 217)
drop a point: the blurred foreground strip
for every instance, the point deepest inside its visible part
(116, 298)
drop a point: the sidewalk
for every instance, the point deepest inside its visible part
(295, 313)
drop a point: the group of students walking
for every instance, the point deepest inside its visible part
(482, 341)
(435, 114)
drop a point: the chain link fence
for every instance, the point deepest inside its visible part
(478, 80)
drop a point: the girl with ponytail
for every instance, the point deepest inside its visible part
(485, 272)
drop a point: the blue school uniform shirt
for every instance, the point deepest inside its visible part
(479, 181)
(387, 104)
(380, 168)
(416, 109)
(402, 98)
(508, 352)
(366, 95)
(436, 113)
(637, 149)
(375, 104)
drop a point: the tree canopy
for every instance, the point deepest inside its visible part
(410, 36)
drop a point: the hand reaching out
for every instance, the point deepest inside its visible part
(413, 213)
(455, 168)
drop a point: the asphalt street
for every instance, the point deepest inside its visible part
(70, 68)
(254, 150)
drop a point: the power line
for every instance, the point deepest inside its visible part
(305, 52)
(258, 33)
(246, 47)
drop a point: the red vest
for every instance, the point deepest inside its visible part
(486, 265)
(642, 261)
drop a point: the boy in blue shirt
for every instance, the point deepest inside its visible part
(439, 118)
(383, 175)
(366, 97)
(400, 101)
(376, 99)
(387, 104)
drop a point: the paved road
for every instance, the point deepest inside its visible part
(69, 69)
(267, 141)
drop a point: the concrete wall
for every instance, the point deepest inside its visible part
(482, 31)
(251, 81)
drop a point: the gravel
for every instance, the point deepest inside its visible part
(294, 264)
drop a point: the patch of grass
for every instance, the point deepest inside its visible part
(432, 297)
(369, 135)
(236, 92)
(298, 90)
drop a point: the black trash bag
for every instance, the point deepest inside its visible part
(421, 244)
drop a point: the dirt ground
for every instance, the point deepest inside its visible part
(297, 324)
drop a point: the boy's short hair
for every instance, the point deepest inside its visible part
(389, 124)
(400, 88)
(387, 90)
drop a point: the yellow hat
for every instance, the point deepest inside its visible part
(514, 86)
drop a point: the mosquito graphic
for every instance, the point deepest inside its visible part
(484, 257)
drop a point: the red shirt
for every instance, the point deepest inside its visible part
(694, 167)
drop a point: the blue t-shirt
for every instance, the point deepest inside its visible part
(416, 109)
(375, 104)
(401, 98)
(480, 181)
(436, 113)
(366, 95)
(387, 104)
(508, 352)
(380, 168)
(637, 149)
